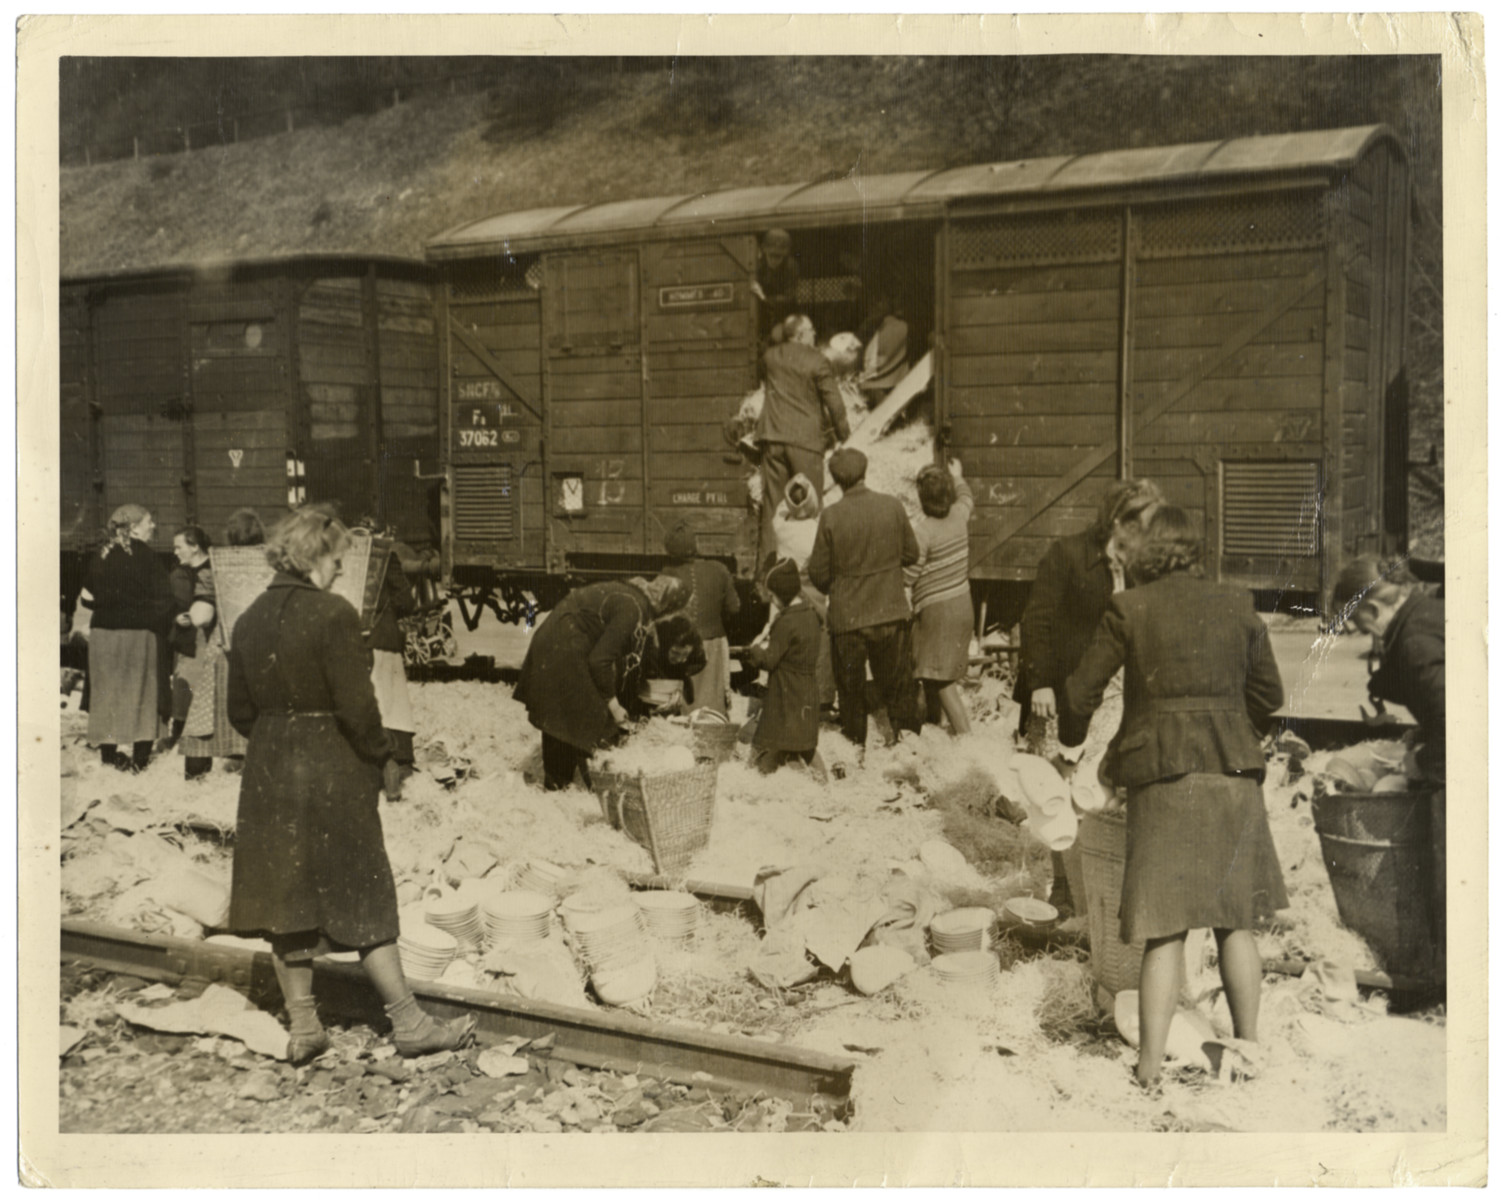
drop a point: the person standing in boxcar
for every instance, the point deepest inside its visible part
(1201, 687)
(1384, 600)
(939, 579)
(130, 596)
(713, 603)
(800, 392)
(776, 279)
(193, 592)
(885, 349)
(582, 658)
(310, 868)
(863, 542)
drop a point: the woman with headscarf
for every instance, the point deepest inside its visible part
(583, 660)
(310, 868)
(1201, 687)
(944, 614)
(131, 598)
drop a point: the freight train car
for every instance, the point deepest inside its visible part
(258, 384)
(1225, 317)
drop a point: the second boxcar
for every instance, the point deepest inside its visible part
(198, 391)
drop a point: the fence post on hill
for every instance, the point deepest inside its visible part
(289, 120)
(135, 143)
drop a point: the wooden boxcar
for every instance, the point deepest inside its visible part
(1225, 317)
(259, 384)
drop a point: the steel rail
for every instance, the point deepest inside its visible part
(602, 1040)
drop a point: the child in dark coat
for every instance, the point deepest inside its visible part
(788, 729)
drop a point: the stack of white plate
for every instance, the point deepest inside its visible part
(613, 944)
(541, 876)
(962, 929)
(425, 950)
(511, 917)
(969, 969)
(671, 917)
(459, 916)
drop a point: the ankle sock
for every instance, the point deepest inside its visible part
(406, 1016)
(304, 1015)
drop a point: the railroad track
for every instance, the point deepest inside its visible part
(601, 1040)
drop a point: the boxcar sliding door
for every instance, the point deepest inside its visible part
(1226, 384)
(1033, 324)
(700, 363)
(596, 489)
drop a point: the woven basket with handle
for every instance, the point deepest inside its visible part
(671, 815)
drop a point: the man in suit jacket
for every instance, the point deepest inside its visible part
(863, 542)
(800, 391)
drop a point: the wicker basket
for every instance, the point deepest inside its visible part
(1102, 844)
(715, 741)
(671, 815)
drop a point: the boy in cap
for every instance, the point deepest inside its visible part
(788, 728)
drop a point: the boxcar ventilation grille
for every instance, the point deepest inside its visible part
(483, 504)
(1037, 238)
(1281, 221)
(1271, 509)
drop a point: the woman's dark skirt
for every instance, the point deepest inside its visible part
(1199, 855)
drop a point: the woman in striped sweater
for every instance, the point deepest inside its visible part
(939, 580)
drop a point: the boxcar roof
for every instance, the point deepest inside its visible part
(911, 194)
(220, 268)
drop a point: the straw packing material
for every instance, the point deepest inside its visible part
(671, 917)
(962, 930)
(519, 916)
(969, 969)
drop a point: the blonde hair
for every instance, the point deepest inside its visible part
(1125, 500)
(301, 538)
(123, 520)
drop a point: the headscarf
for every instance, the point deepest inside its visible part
(665, 593)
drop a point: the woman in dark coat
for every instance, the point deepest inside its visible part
(1201, 686)
(788, 728)
(310, 866)
(131, 598)
(582, 660)
(1075, 580)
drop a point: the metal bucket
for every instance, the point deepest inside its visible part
(1378, 849)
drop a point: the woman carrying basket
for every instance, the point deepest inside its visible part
(582, 659)
(1200, 683)
(310, 867)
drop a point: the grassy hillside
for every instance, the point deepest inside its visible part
(559, 131)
